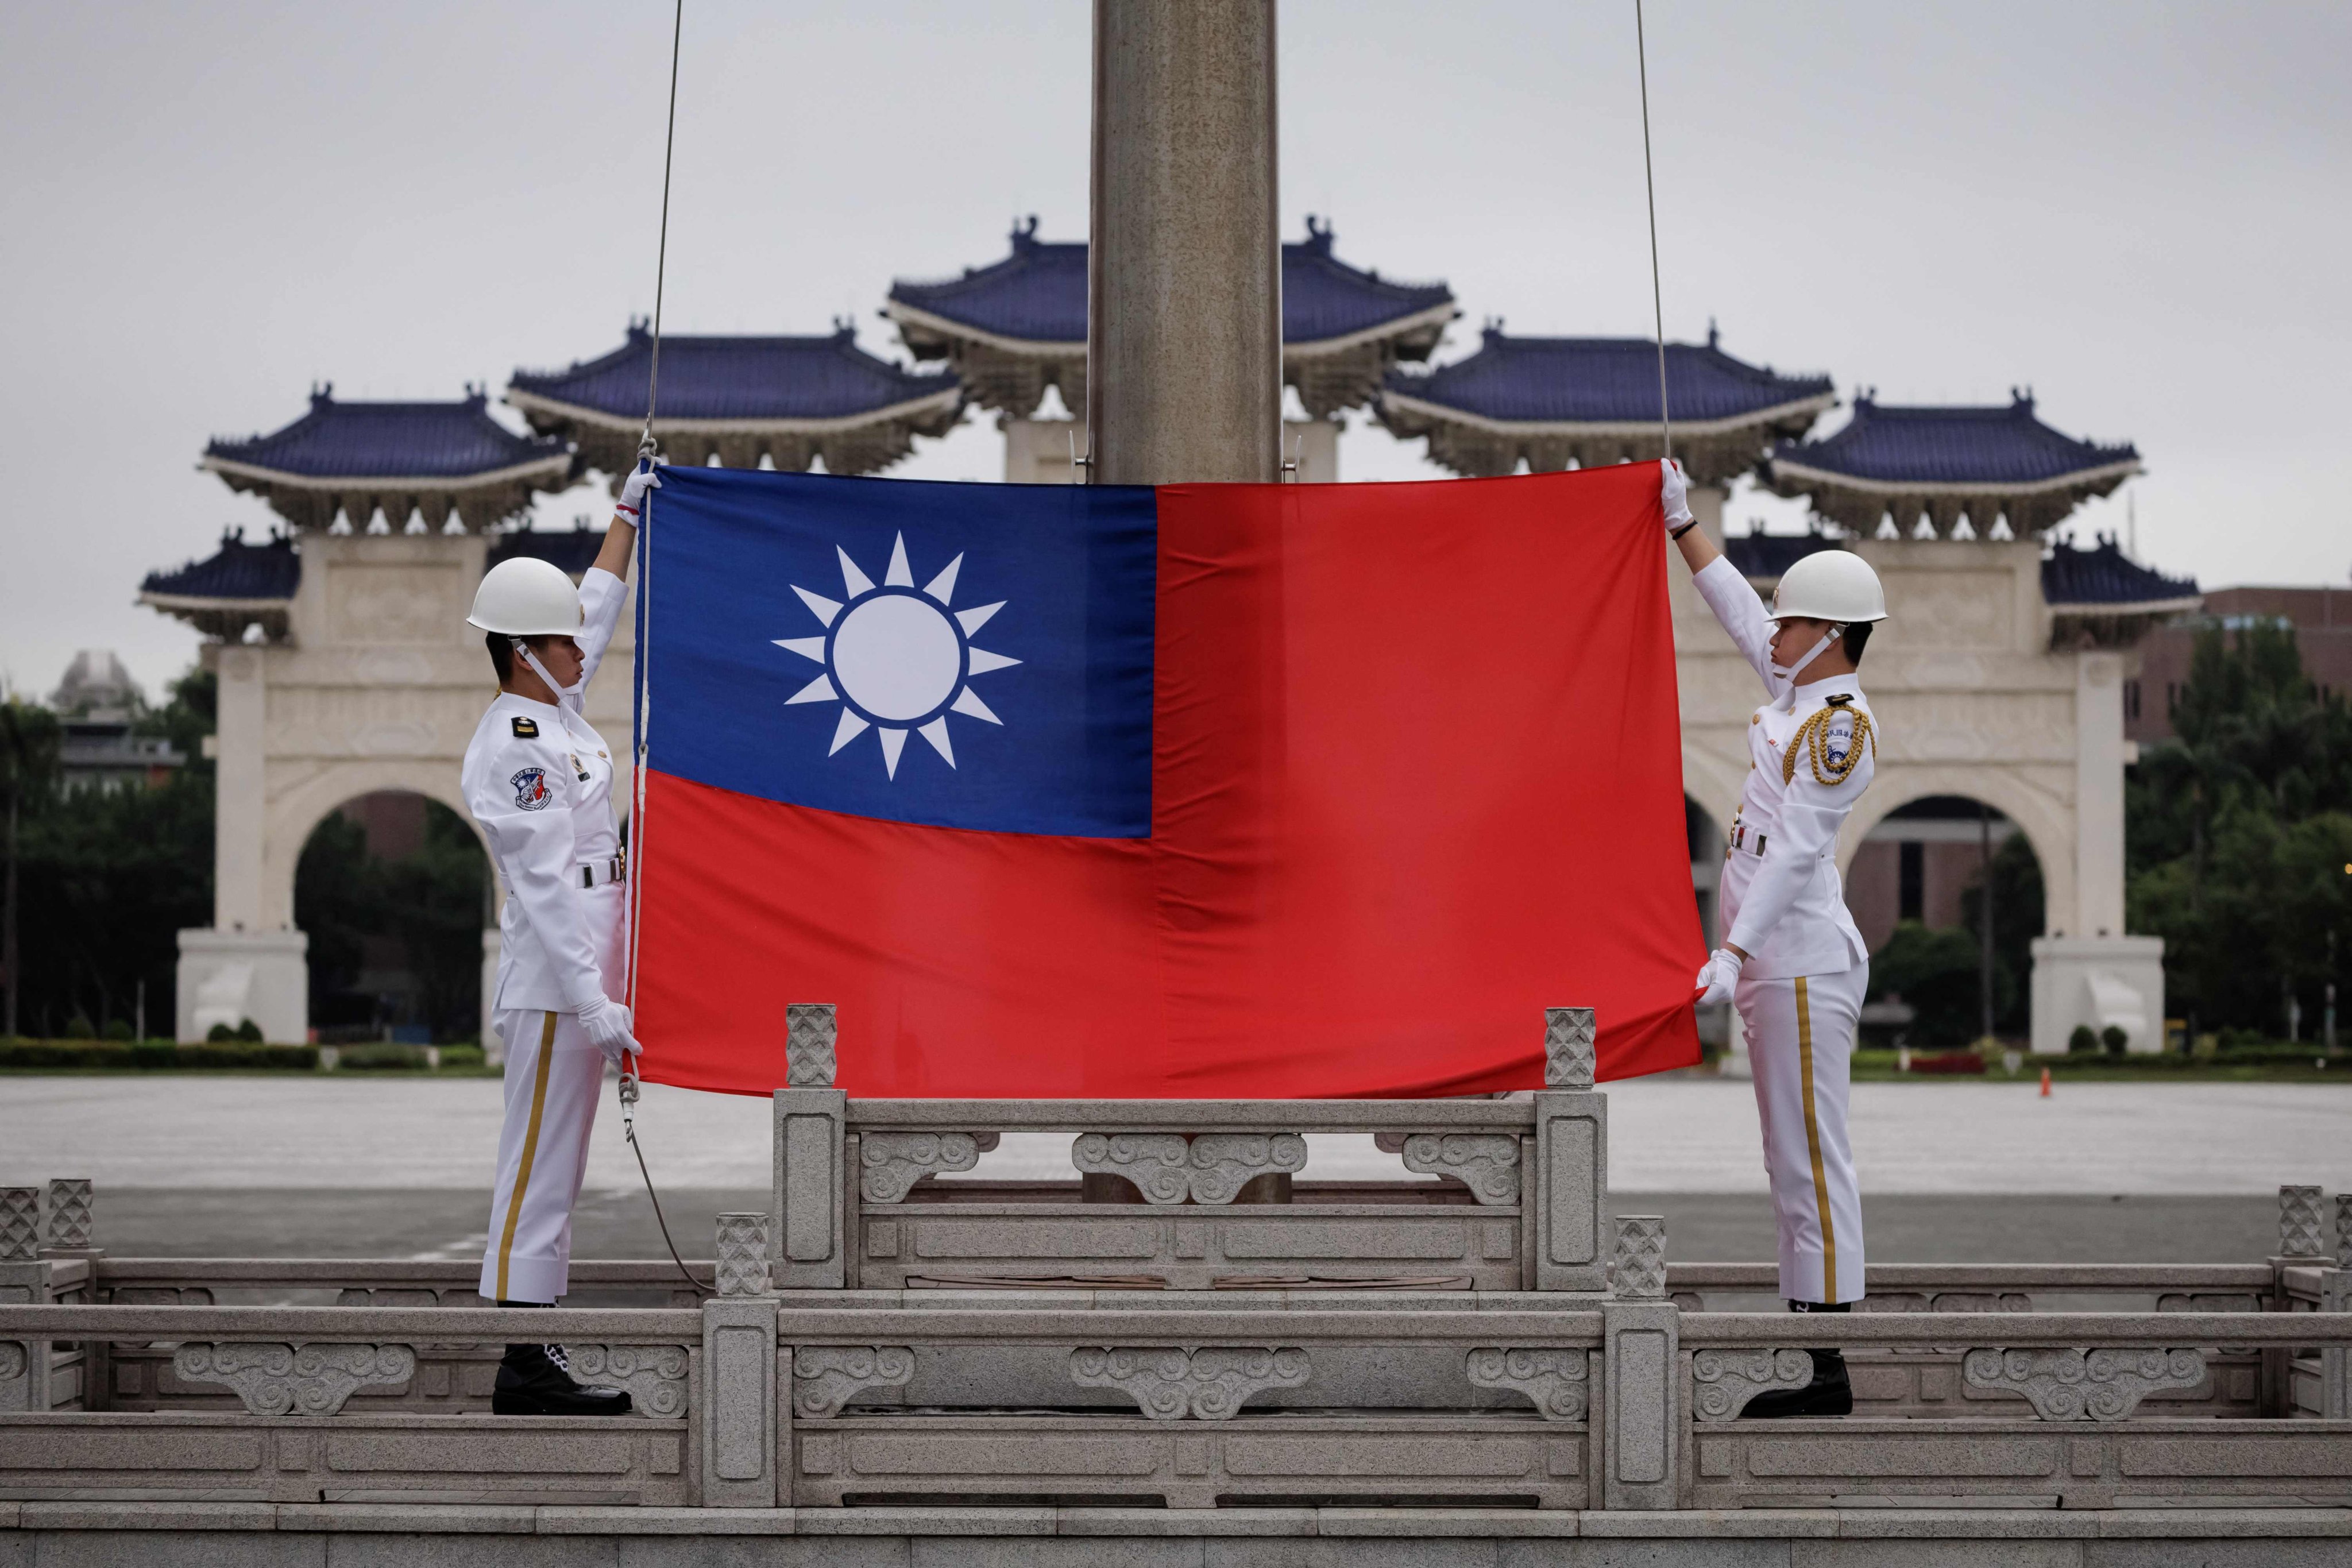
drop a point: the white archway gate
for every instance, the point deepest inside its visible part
(378, 686)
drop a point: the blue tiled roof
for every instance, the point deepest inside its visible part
(236, 571)
(573, 549)
(1038, 294)
(1771, 555)
(1993, 445)
(2103, 574)
(752, 379)
(389, 440)
(1603, 381)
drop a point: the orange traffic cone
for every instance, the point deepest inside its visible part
(2045, 1083)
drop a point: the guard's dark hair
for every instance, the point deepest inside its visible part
(501, 648)
(1857, 637)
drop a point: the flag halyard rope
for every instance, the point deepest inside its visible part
(1650, 189)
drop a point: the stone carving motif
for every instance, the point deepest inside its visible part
(743, 1254)
(12, 1360)
(1154, 1162)
(2066, 1385)
(20, 1224)
(2299, 1234)
(1570, 1058)
(891, 1162)
(1220, 1163)
(15, 1388)
(1208, 1383)
(1555, 1379)
(294, 1380)
(809, 1036)
(1639, 1273)
(2342, 1230)
(1166, 1168)
(1488, 1161)
(824, 1377)
(70, 1201)
(1727, 1380)
(655, 1375)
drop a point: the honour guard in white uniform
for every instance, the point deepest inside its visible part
(539, 780)
(1792, 961)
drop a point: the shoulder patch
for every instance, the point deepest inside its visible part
(1840, 699)
(532, 792)
(526, 728)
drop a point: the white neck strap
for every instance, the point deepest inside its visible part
(565, 696)
(1787, 698)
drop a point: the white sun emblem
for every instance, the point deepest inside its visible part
(895, 658)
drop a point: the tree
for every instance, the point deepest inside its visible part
(28, 769)
(2238, 835)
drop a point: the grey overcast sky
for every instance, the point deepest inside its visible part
(2142, 210)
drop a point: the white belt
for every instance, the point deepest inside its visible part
(600, 873)
(1744, 838)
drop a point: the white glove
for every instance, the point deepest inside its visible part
(606, 1024)
(1675, 493)
(1717, 976)
(633, 492)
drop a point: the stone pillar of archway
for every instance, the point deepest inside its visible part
(2087, 973)
(245, 965)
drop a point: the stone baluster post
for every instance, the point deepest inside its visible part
(2336, 1296)
(745, 1432)
(2301, 1244)
(1570, 1157)
(24, 1283)
(809, 1248)
(1640, 1438)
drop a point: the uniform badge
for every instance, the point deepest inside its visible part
(1839, 742)
(576, 768)
(531, 788)
(526, 728)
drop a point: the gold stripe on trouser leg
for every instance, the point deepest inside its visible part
(538, 1104)
(1813, 1145)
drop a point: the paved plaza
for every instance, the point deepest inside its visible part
(1666, 1135)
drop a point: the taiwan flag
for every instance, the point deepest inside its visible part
(1206, 791)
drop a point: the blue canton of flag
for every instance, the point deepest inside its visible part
(959, 655)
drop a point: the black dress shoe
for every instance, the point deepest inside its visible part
(536, 1380)
(1830, 1394)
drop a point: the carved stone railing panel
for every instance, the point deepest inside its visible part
(1208, 1383)
(826, 1377)
(1556, 1380)
(70, 1213)
(20, 1224)
(16, 1386)
(1168, 1168)
(2344, 1230)
(1640, 1270)
(742, 1260)
(295, 1380)
(1487, 1161)
(1725, 1380)
(1220, 1165)
(889, 1164)
(2299, 1234)
(1571, 1048)
(1154, 1162)
(655, 1375)
(2068, 1384)
(810, 1034)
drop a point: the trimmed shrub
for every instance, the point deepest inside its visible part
(249, 1030)
(463, 1059)
(220, 1032)
(381, 1058)
(79, 1028)
(2083, 1041)
(2114, 1039)
(119, 1030)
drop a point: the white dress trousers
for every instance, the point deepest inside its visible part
(554, 1078)
(1800, 1046)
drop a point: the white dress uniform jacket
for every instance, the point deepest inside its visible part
(539, 779)
(1811, 751)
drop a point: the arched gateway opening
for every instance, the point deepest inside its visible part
(392, 889)
(1948, 965)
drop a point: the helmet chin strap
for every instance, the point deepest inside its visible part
(565, 696)
(1787, 698)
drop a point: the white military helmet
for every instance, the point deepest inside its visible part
(527, 597)
(1830, 586)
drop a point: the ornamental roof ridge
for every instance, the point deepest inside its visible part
(1993, 445)
(1522, 379)
(390, 439)
(743, 377)
(2103, 575)
(237, 570)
